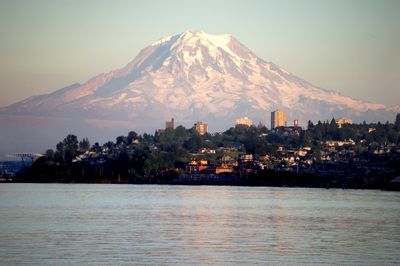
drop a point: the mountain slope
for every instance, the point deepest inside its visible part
(195, 75)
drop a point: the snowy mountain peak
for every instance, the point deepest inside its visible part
(198, 76)
(194, 39)
(192, 76)
(220, 41)
(193, 35)
(217, 40)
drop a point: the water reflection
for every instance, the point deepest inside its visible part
(112, 224)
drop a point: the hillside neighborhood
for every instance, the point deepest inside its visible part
(191, 76)
(327, 154)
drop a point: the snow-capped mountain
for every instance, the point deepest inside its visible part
(197, 76)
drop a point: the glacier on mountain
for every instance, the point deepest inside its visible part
(198, 76)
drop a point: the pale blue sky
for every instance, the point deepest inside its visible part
(348, 46)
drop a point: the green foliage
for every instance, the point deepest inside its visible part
(84, 144)
(136, 158)
(121, 140)
(49, 154)
(397, 122)
(67, 149)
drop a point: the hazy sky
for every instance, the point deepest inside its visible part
(349, 46)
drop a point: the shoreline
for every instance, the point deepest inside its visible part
(220, 184)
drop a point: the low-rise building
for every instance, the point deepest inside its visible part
(246, 158)
(196, 166)
(201, 127)
(343, 120)
(208, 151)
(244, 121)
(223, 170)
(169, 124)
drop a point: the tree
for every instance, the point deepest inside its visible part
(109, 145)
(195, 142)
(132, 135)
(333, 129)
(319, 131)
(70, 144)
(305, 138)
(148, 138)
(84, 144)
(96, 147)
(310, 125)
(49, 154)
(67, 149)
(121, 140)
(397, 122)
(60, 148)
(181, 133)
(317, 153)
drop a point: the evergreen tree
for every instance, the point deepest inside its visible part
(84, 144)
(310, 125)
(397, 122)
(71, 145)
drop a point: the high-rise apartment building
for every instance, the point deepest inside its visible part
(278, 119)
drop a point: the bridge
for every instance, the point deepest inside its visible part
(25, 155)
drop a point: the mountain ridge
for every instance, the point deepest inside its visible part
(191, 76)
(196, 75)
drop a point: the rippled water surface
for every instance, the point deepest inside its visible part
(140, 224)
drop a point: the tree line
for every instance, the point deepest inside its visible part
(160, 157)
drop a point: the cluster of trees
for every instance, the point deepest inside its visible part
(149, 158)
(372, 133)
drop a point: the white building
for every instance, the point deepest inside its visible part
(244, 121)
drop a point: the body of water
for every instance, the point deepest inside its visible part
(50, 224)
